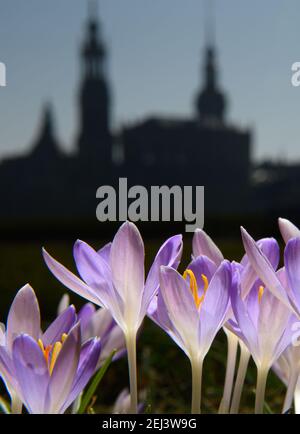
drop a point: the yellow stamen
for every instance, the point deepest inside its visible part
(193, 286)
(260, 292)
(56, 350)
(205, 281)
(46, 351)
(41, 345)
(205, 288)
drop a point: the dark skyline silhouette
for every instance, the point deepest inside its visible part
(204, 149)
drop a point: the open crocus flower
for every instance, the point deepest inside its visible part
(264, 324)
(24, 317)
(98, 323)
(287, 368)
(50, 378)
(114, 278)
(191, 309)
(204, 245)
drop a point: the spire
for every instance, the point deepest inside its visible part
(209, 24)
(47, 122)
(93, 9)
(46, 146)
(210, 102)
(94, 132)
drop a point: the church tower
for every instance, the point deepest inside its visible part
(211, 102)
(94, 141)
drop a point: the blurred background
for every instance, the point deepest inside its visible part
(162, 93)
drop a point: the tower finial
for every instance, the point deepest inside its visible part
(93, 9)
(209, 24)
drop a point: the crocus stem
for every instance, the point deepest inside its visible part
(288, 401)
(131, 354)
(262, 375)
(232, 345)
(16, 405)
(196, 385)
(240, 379)
(297, 397)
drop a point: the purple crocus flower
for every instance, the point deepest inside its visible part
(98, 323)
(204, 245)
(264, 324)
(22, 347)
(24, 317)
(114, 278)
(287, 368)
(192, 309)
(50, 380)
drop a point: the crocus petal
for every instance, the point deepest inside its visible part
(97, 273)
(32, 372)
(91, 267)
(85, 316)
(248, 330)
(127, 266)
(215, 306)
(63, 304)
(86, 368)
(99, 324)
(200, 266)
(104, 252)
(62, 324)
(24, 316)
(7, 371)
(270, 249)
(115, 340)
(181, 307)
(69, 279)
(64, 371)
(292, 267)
(264, 269)
(169, 255)
(288, 229)
(2, 334)
(158, 312)
(204, 245)
(272, 314)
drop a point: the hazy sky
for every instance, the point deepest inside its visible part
(155, 50)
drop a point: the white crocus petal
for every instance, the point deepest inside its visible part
(181, 308)
(288, 229)
(24, 316)
(127, 267)
(63, 304)
(204, 245)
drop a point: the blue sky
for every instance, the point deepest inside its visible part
(155, 50)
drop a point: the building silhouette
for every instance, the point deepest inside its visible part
(204, 150)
